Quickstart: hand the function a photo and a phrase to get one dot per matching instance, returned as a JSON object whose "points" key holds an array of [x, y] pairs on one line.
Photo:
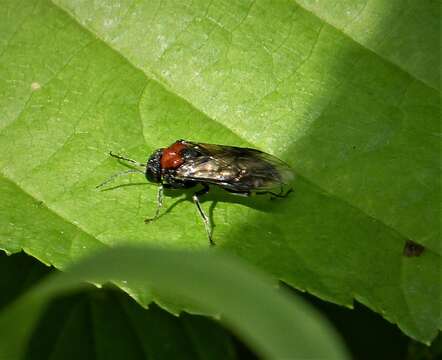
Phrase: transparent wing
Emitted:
{"points": [[233, 168]]}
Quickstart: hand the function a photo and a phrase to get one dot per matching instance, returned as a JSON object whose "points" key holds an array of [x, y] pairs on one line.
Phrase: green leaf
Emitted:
{"points": [[362, 134], [276, 325], [404, 35], [98, 322]]}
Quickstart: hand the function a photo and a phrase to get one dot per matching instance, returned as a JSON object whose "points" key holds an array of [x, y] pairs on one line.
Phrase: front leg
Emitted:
{"points": [[159, 205], [203, 215]]}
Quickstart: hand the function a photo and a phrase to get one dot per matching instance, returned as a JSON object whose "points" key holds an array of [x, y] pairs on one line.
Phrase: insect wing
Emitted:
{"points": [[235, 169]]}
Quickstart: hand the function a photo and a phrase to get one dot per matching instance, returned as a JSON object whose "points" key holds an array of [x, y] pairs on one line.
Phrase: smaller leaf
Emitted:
{"points": [[273, 323]]}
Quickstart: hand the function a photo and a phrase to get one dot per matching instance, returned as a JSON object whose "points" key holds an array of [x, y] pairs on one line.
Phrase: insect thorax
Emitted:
{"points": [[153, 168]]}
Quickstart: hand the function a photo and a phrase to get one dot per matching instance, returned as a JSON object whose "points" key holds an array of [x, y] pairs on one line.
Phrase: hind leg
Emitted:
{"points": [[204, 217], [279, 195]]}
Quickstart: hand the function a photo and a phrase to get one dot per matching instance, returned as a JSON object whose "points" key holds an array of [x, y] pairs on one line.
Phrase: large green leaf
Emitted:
{"points": [[362, 134]]}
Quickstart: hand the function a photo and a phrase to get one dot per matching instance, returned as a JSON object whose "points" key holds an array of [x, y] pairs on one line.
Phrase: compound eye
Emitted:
{"points": [[153, 168]]}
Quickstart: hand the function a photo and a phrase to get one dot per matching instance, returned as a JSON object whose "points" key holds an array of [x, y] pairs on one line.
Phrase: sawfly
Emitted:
{"points": [[186, 164]]}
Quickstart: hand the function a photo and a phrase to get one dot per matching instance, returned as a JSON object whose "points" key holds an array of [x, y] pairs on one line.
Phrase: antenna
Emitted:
{"points": [[126, 159], [122, 173]]}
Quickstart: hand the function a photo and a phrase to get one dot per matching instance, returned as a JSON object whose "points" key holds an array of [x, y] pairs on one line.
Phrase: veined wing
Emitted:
{"points": [[233, 168]]}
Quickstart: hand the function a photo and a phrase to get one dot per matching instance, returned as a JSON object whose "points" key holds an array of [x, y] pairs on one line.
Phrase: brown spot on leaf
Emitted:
{"points": [[412, 248]]}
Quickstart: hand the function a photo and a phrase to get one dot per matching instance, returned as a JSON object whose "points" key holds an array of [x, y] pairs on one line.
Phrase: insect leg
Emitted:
{"points": [[282, 194], [159, 205], [119, 157], [240, 193], [205, 218], [113, 177], [275, 195]]}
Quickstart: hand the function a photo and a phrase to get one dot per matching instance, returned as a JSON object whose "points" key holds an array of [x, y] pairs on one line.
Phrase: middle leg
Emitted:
{"points": [[159, 205], [203, 215]]}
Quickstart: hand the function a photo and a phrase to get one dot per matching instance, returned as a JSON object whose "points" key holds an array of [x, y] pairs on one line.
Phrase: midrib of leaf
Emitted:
{"points": [[366, 48], [154, 76]]}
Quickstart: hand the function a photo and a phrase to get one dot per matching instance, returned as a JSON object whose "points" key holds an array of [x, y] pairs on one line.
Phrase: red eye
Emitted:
{"points": [[172, 157]]}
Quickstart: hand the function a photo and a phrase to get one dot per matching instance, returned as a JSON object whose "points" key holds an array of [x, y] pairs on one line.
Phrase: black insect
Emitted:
{"points": [[185, 164]]}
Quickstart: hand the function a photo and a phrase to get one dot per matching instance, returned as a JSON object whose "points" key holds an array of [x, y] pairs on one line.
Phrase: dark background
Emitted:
{"points": [[366, 334]]}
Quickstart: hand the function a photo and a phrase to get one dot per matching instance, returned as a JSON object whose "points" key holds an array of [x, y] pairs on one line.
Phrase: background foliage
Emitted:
{"points": [[82, 325], [275, 324]]}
